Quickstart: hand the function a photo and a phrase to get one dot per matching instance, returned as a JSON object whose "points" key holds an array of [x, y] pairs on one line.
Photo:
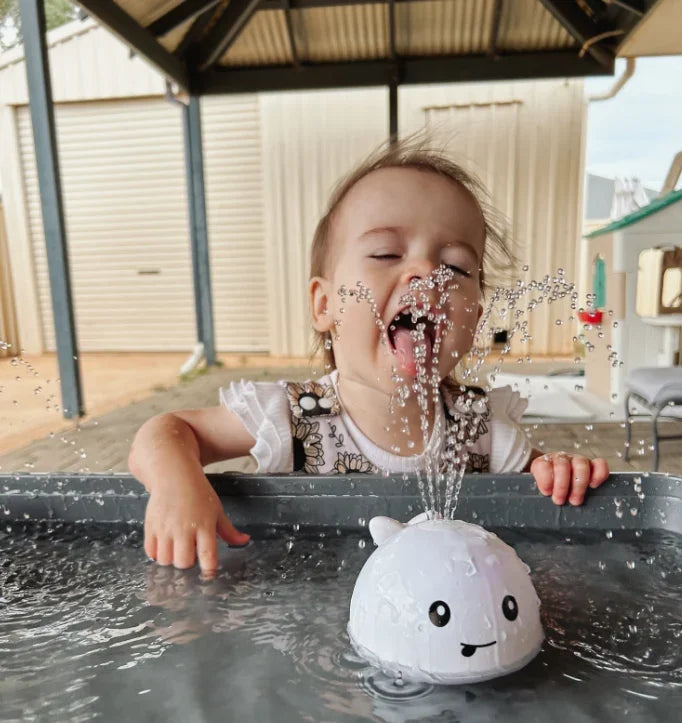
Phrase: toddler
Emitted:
{"points": [[406, 219]]}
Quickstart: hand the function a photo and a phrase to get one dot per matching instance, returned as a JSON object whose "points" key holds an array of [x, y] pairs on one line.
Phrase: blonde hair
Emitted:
{"points": [[410, 154]]}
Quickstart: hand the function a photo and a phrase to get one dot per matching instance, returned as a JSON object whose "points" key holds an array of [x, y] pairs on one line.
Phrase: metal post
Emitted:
{"points": [[201, 269], [44, 138], [395, 77], [393, 112]]}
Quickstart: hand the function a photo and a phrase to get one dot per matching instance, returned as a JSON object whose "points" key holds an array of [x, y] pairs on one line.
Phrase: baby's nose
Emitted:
{"points": [[418, 270]]}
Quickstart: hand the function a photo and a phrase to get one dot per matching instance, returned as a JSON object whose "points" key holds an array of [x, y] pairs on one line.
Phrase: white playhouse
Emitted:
{"points": [[635, 281]]}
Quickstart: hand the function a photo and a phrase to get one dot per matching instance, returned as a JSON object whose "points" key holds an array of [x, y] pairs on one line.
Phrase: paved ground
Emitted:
{"points": [[30, 393], [102, 444]]}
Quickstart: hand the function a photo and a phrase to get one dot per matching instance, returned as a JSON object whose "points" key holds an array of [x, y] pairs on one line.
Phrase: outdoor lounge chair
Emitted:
{"points": [[654, 388]]}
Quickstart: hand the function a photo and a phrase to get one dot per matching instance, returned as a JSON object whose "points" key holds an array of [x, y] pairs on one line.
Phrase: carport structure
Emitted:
{"points": [[234, 46]]}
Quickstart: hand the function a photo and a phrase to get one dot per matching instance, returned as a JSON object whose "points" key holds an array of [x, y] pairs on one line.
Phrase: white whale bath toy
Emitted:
{"points": [[444, 601]]}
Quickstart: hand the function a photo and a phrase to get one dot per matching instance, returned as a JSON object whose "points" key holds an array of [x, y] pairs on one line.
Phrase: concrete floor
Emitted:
{"points": [[100, 442]]}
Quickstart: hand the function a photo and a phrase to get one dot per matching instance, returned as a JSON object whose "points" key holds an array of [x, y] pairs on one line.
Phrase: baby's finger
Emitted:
{"points": [[184, 547], [207, 550], [600, 472], [164, 550], [150, 545], [562, 478], [542, 470], [229, 532], [581, 478]]}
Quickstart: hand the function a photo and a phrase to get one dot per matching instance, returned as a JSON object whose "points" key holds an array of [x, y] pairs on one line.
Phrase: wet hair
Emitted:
{"points": [[417, 154]]}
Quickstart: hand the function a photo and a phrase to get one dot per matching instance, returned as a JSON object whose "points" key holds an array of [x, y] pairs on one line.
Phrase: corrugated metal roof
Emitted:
{"points": [[147, 11], [423, 28], [439, 27], [344, 33], [263, 41], [527, 25], [290, 42]]}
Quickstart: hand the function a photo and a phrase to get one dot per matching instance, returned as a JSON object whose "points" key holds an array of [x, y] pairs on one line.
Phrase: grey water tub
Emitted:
{"points": [[89, 628]]}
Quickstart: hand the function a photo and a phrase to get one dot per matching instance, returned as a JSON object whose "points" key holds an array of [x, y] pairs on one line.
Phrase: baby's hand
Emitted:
{"points": [[567, 477], [181, 523]]}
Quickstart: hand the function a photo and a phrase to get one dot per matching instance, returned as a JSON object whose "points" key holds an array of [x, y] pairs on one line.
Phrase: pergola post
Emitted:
{"points": [[47, 162], [395, 78], [201, 269], [393, 112]]}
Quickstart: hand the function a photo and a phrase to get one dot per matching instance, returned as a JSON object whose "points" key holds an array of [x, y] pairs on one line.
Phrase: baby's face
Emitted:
{"points": [[396, 225]]}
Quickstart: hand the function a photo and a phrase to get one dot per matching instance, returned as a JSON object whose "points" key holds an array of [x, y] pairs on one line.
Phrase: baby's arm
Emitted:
{"points": [[565, 476], [184, 513]]}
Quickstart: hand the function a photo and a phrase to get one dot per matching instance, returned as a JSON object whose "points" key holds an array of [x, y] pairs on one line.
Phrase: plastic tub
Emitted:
{"points": [[89, 628]]}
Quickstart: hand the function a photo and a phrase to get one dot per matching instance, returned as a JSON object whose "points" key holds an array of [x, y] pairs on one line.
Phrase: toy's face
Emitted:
{"points": [[446, 601]]}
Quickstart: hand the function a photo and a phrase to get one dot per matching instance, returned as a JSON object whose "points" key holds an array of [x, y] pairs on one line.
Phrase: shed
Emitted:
{"points": [[236, 46], [270, 161]]}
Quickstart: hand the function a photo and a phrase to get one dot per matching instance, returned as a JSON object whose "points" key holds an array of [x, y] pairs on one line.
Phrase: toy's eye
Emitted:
{"points": [[510, 608], [439, 613]]}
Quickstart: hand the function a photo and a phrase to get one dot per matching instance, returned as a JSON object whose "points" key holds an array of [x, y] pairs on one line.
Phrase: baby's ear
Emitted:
{"points": [[319, 297]]}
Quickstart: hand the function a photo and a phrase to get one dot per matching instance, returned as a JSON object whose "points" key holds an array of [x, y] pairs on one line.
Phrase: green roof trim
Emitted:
{"points": [[656, 205]]}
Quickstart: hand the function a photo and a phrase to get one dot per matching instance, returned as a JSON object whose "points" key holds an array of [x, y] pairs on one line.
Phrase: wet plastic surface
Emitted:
{"points": [[128, 639], [279, 501]]}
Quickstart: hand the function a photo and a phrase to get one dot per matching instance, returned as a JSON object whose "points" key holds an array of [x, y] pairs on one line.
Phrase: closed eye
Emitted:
{"points": [[385, 256], [457, 269]]}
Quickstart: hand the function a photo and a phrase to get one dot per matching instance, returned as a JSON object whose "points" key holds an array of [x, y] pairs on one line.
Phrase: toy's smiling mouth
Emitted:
{"points": [[469, 650]]}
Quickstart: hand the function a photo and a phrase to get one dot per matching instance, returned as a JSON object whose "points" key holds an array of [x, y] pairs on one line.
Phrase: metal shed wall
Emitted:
{"points": [[546, 221], [271, 162], [124, 188], [311, 139], [87, 63], [123, 180]]}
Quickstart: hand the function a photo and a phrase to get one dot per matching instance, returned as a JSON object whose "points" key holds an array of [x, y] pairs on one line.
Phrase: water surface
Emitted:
{"points": [[90, 629]]}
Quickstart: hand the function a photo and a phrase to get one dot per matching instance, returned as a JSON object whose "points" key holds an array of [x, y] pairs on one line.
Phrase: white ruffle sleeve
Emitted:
{"points": [[510, 448], [263, 408]]}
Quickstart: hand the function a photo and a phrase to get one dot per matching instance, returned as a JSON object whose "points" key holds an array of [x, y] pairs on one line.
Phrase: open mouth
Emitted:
{"points": [[408, 346], [468, 650]]}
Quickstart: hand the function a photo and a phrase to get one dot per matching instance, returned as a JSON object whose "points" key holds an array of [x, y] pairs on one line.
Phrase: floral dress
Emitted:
{"points": [[301, 427]]}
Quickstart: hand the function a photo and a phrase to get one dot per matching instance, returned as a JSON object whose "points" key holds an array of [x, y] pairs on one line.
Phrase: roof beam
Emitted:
{"points": [[179, 15], [391, 30], [441, 69], [577, 24], [138, 38], [193, 35], [286, 6], [637, 8], [495, 28], [237, 14], [306, 4]]}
